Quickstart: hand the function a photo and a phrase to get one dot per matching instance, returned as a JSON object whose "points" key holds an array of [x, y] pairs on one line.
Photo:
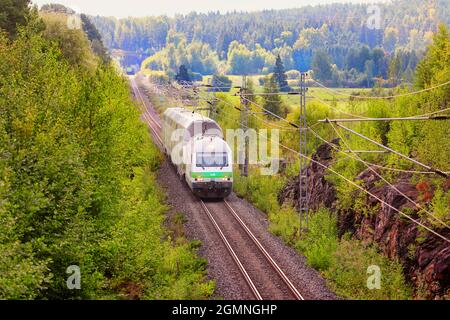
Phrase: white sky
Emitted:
{"points": [[139, 8]]}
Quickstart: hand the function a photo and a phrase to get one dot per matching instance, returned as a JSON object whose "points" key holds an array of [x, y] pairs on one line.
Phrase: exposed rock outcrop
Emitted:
{"points": [[425, 257], [322, 192]]}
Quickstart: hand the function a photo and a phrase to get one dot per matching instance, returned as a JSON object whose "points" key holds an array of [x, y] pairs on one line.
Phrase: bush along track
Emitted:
{"points": [[77, 179]]}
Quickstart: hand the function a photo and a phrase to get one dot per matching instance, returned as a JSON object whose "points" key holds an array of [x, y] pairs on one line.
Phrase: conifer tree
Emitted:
{"points": [[280, 75], [273, 102], [183, 75]]}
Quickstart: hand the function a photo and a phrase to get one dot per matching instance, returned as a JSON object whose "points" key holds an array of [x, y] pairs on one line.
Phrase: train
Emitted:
{"points": [[195, 145]]}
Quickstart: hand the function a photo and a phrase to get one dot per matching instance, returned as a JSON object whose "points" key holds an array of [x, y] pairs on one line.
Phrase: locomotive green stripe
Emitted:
{"points": [[211, 175]]}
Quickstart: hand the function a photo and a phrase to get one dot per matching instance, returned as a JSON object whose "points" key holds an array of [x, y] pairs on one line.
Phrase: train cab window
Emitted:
{"points": [[212, 160]]}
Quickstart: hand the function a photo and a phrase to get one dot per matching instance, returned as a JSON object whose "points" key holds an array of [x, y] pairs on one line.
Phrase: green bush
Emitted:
{"points": [[285, 224], [262, 191], [77, 183], [348, 274], [159, 77], [320, 241]]}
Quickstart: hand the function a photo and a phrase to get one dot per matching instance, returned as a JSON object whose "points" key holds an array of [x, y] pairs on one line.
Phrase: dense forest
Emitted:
{"points": [[77, 173], [335, 37]]}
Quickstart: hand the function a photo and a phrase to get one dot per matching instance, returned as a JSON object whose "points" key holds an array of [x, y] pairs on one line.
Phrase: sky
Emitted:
{"points": [[139, 8]]}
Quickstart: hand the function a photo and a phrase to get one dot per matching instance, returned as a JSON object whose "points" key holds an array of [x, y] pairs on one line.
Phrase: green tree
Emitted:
{"points": [[436, 62], [272, 102], [183, 75], [77, 182], [395, 69], [74, 44], [221, 83], [95, 38], [321, 65], [12, 14], [280, 75]]}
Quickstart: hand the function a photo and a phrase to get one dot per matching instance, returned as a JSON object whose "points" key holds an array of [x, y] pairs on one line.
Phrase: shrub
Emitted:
{"points": [[320, 241], [159, 77], [285, 224], [348, 274], [262, 191]]}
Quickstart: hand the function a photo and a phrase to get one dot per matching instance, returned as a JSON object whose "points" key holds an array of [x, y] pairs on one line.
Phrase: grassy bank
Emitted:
{"points": [[343, 262]]}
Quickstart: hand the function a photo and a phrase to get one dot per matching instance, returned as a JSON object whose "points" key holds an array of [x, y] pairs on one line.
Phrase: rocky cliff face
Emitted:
{"points": [[425, 257], [322, 193]]}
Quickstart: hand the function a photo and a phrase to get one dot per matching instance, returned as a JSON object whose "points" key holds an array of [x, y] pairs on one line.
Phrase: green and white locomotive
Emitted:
{"points": [[195, 144]]}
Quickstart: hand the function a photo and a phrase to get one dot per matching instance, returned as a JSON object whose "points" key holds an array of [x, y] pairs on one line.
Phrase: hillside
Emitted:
{"points": [[81, 214]]}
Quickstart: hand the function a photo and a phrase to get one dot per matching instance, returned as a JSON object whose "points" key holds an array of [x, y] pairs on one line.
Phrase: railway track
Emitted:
{"points": [[153, 124], [262, 274]]}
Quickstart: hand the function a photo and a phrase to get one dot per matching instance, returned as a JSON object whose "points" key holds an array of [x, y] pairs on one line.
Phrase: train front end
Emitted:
{"points": [[212, 168]]}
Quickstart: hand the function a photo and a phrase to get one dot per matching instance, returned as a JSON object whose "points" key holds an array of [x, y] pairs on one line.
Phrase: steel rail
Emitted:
{"points": [[269, 258], [147, 115], [232, 253]]}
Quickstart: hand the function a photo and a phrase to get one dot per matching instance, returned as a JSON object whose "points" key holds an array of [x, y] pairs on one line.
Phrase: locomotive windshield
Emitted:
{"points": [[212, 160]]}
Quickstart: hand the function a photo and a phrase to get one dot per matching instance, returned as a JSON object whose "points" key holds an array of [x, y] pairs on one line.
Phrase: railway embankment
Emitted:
{"points": [[425, 257]]}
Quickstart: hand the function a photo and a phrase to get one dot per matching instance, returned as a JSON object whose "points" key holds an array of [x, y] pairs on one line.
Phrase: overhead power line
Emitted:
{"points": [[372, 164], [387, 119], [387, 182], [339, 111], [440, 172], [382, 97], [362, 189]]}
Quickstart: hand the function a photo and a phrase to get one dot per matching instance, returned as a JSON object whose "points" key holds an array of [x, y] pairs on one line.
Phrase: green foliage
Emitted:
{"points": [[221, 83], [242, 60], [436, 63], [183, 75], [280, 75], [13, 13], [440, 205], [95, 38], [320, 241], [248, 43], [261, 190], [321, 66], [348, 273], [73, 43], [273, 102], [23, 275], [318, 244], [77, 182], [343, 262], [196, 56], [285, 223]]}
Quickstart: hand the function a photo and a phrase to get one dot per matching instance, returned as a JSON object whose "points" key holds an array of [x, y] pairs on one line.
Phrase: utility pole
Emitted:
{"points": [[213, 104], [244, 125], [195, 97], [303, 194]]}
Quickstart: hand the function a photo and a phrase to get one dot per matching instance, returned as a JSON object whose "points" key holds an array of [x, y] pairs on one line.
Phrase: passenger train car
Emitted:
{"points": [[195, 145]]}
